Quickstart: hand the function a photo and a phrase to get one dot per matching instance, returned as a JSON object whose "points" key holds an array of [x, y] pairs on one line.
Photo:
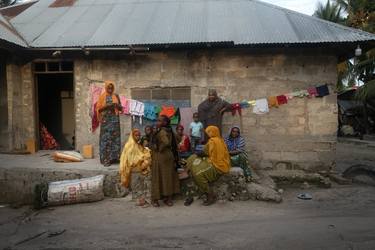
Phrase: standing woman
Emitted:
{"points": [[165, 182], [108, 108]]}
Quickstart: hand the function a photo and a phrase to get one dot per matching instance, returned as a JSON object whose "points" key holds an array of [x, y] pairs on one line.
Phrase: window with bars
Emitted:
{"points": [[51, 67], [178, 97]]}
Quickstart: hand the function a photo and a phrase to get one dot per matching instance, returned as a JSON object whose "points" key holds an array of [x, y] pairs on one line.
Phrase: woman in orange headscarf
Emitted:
{"points": [[108, 108], [207, 166], [135, 164]]}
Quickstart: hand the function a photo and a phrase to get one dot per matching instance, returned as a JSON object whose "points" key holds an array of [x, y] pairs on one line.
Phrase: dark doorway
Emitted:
{"points": [[56, 107]]}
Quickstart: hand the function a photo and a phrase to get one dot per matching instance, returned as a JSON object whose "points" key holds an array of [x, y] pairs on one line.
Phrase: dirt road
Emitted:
{"points": [[339, 218], [342, 217]]}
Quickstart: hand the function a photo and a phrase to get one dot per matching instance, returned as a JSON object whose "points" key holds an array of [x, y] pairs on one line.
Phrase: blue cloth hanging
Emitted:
{"points": [[150, 112]]}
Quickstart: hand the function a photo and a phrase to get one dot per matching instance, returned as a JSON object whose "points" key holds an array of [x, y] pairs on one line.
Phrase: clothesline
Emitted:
{"points": [[150, 111]]}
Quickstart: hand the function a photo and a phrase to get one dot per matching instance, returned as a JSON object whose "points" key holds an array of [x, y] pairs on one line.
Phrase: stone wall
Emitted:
{"points": [[21, 110], [3, 105], [299, 135]]}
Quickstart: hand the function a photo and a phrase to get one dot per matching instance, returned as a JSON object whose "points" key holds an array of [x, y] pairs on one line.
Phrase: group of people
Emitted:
{"points": [[149, 164]]}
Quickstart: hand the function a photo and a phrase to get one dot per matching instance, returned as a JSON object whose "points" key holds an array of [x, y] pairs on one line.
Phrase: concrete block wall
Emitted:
{"points": [[299, 135]]}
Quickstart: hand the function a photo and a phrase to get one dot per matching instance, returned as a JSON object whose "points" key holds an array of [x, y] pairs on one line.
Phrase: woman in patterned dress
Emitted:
{"points": [[108, 108]]}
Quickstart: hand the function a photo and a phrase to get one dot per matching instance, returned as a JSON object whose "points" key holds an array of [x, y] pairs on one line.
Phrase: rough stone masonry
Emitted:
{"points": [[299, 135]]}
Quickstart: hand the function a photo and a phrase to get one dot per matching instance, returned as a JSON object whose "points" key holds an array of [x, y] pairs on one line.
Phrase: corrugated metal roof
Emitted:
{"points": [[9, 34], [147, 22]]}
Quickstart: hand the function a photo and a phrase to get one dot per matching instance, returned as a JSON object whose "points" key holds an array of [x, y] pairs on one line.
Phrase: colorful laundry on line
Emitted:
{"points": [[136, 108], [95, 92], [125, 103], [150, 111], [261, 106], [281, 99], [300, 93], [168, 111], [312, 91], [184, 115], [176, 117], [322, 90], [236, 107], [245, 104], [272, 102]]}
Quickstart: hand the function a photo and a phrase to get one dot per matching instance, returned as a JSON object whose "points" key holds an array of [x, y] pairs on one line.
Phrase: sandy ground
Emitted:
{"points": [[342, 217]]}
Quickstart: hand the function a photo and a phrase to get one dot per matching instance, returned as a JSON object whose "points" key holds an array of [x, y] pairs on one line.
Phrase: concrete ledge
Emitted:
{"points": [[17, 185], [20, 174]]}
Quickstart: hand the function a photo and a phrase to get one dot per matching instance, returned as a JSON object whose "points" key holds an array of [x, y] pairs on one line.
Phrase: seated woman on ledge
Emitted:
{"points": [[135, 163], [238, 156], [206, 170]]}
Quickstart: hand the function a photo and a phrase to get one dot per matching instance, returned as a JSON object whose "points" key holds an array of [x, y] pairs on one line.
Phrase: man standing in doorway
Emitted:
{"points": [[212, 109]]}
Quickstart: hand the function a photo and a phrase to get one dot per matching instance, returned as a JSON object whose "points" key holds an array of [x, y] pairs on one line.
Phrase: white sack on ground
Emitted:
{"points": [[76, 191]]}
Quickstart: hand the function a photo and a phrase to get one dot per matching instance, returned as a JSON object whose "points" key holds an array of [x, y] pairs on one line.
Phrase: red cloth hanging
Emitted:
{"points": [[282, 99], [168, 111], [94, 120], [236, 107], [312, 91]]}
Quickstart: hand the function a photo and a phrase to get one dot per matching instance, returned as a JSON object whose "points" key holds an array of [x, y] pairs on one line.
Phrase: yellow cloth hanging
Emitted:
{"points": [[134, 158], [272, 102], [217, 150], [252, 102]]}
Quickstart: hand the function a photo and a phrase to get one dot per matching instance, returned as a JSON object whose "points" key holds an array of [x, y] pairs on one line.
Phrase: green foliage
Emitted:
{"points": [[330, 12], [4, 3], [358, 14]]}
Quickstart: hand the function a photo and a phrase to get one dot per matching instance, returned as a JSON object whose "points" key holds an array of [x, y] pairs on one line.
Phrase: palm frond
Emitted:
{"points": [[366, 92]]}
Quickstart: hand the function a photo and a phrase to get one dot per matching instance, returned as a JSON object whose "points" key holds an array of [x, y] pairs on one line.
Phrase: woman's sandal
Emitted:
{"points": [[141, 202], [209, 201], [155, 204], [168, 202], [188, 201]]}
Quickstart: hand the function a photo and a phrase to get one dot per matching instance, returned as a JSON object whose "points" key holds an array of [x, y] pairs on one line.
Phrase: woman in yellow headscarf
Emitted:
{"points": [[207, 166], [135, 163], [108, 108]]}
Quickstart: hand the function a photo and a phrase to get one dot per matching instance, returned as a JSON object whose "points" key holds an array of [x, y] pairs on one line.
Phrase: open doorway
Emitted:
{"points": [[55, 107]]}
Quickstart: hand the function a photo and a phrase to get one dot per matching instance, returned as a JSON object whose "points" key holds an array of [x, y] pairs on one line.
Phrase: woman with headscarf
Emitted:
{"points": [[237, 150], [211, 164], [183, 142], [165, 182], [135, 163], [108, 108]]}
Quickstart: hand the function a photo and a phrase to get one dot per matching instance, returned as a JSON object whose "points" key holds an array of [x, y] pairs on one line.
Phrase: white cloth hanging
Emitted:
{"points": [[137, 108], [261, 106]]}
